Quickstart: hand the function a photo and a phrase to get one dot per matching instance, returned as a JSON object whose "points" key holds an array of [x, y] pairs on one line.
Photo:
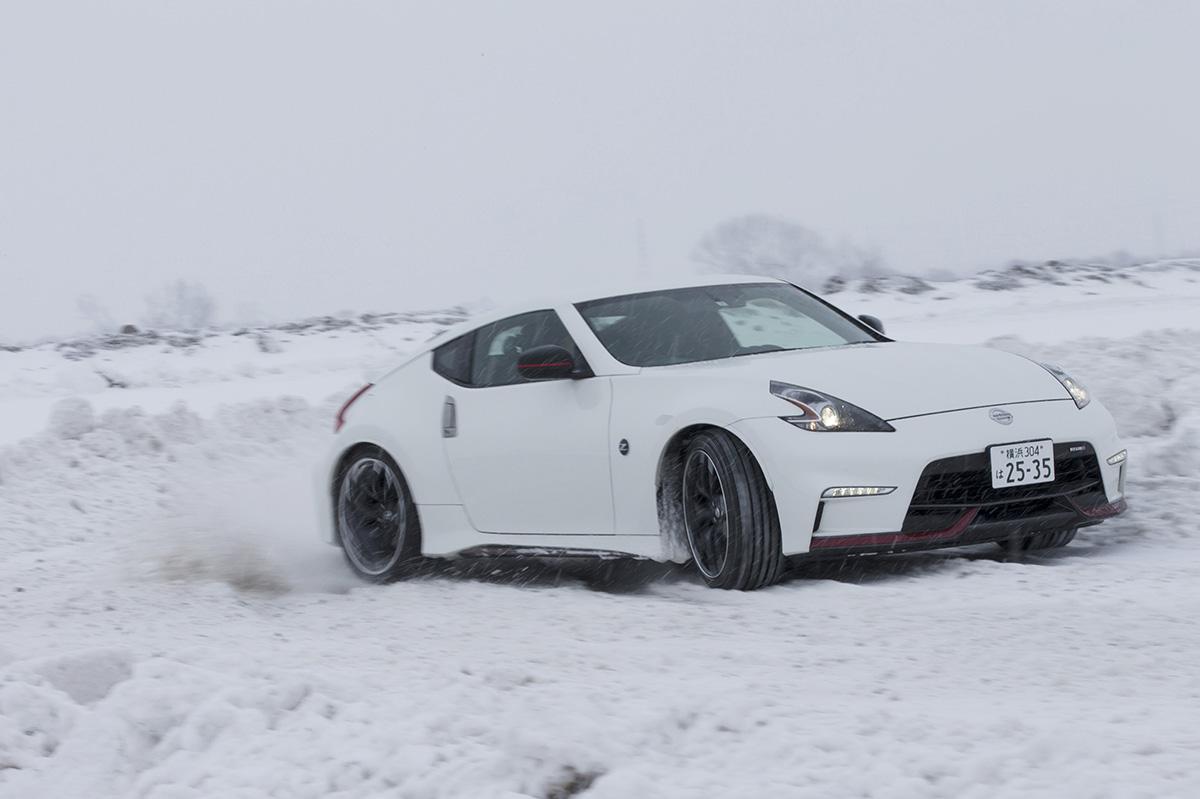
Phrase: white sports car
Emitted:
{"points": [[732, 422]]}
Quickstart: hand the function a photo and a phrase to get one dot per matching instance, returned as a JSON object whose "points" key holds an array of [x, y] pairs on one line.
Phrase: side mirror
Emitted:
{"points": [[872, 322], [548, 362]]}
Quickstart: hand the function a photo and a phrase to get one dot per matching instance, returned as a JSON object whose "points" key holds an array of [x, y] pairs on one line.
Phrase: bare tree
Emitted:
{"points": [[761, 244], [180, 306], [95, 313]]}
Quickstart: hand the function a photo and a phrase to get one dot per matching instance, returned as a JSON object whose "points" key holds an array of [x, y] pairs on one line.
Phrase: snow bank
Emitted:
{"points": [[1037, 308], [311, 359], [183, 496]]}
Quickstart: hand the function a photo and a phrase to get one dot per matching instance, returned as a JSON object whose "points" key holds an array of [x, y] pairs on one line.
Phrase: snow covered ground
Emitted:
{"points": [[170, 627]]}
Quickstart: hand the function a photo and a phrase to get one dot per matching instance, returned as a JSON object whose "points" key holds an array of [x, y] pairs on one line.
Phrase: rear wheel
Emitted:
{"points": [[1051, 539], [376, 519], [729, 514]]}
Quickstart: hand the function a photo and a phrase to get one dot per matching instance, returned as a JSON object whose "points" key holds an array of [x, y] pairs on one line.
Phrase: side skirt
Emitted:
{"points": [[514, 551]]}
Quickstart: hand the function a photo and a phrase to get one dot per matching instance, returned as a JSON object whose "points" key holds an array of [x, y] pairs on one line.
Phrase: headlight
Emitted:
{"points": [[1077, 390], [824, 413]]}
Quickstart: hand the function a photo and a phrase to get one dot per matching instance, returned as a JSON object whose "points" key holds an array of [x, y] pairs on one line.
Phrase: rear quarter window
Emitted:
{"points": [[452, 360]]}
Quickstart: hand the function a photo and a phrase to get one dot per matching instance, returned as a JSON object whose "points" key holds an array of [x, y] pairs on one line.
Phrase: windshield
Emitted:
{"points": [[711, 322]]}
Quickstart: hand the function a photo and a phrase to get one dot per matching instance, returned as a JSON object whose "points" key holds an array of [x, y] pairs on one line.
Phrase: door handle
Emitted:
{"points": [[449, 418]]}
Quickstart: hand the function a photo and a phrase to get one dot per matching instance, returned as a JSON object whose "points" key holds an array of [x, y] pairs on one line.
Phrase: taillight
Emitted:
{"points": [[341, 415]]}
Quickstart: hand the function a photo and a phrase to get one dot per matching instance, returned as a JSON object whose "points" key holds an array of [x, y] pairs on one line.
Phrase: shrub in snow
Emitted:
{"points": [[266, 343], [886, 284], [72, 418]]}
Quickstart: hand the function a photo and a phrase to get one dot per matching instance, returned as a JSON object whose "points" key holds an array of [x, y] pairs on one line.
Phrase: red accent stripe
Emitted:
{"points": [[542, 365], [891, 539], [340, 422], [1101, 511]]}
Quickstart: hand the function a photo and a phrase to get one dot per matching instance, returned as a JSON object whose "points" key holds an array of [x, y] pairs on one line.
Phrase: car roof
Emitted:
{"points": [[592, 290], [614, 288]]}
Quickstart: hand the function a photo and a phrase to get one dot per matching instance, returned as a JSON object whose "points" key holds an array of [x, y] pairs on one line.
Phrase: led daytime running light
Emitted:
{"points": [[856, 491]]}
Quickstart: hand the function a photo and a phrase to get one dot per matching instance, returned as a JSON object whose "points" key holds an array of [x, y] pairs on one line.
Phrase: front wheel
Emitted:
{"points": [[729, 514], [376, 518]]}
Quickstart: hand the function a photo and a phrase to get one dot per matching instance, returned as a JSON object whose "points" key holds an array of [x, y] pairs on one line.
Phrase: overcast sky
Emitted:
{"points": [[304, 157]]}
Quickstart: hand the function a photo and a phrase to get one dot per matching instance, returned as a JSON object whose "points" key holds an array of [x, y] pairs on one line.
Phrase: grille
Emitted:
{"points": [[950, 485]]}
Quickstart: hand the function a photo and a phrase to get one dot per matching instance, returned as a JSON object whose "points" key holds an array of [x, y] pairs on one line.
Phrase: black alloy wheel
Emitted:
{"points": [[376, 519], [729, 514]]}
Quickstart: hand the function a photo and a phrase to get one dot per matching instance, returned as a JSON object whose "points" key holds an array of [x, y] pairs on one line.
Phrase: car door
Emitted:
{"points": [[527, 456]]}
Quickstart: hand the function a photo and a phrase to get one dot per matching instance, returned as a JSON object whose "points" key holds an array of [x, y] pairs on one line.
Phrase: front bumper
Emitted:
{"points": [[967, 528], [800, 465]]}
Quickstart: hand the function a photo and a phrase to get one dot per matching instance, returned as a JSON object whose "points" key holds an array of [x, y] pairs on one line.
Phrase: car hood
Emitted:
{"points": [[892, 379]]}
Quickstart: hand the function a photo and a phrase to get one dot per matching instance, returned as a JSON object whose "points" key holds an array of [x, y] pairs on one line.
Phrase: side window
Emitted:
{"points": [[452, 360], [498, 345]]}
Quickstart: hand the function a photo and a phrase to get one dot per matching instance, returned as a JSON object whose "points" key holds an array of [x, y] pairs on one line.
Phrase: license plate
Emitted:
{"points": [[1021, 464]]}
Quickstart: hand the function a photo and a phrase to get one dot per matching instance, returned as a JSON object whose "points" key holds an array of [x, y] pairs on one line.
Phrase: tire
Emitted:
{"points": [[1052, 539], [729, 514], [375, 517]]}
